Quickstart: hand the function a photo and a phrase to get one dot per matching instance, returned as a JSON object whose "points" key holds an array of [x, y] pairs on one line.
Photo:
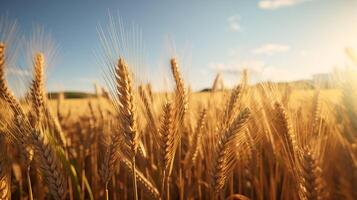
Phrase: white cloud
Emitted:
{"points": [[276, 4], [271, 49], [234, 23]]}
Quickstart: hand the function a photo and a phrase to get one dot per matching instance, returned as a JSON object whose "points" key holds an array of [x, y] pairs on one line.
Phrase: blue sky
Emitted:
{"points": [[274, 39]]}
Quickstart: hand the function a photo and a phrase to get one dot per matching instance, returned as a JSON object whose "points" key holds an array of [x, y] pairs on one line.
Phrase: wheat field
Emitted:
{"points": [[253, 141]]}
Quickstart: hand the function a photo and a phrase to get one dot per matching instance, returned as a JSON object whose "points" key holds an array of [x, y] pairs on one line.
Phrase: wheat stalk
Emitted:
{"points": [[143, 182], [5, 189], [127, 111], [45, 151], [180, 110]]}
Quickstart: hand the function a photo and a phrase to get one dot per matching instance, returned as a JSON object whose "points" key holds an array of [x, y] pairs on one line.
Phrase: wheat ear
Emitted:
{"points": [[37, 89], [111, 157], [126, 105], [225, 153], [49, 162], [196, 143], [286, 133], [5, 92], [145, 97], [231, 106], [316, 112], [181, 100], [312, 184], [168, 139]]}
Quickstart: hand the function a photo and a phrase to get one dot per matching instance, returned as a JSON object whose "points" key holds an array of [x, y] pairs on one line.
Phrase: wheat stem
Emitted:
{"points": [[29, 185]]}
